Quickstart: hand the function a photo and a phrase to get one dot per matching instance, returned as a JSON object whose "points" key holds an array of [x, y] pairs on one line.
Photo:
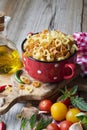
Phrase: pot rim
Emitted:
{"points": [[45, 61]]}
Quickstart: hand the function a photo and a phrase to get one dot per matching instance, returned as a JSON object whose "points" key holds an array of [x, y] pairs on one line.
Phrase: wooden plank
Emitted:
{"points": [[68, 16], [84, 18], [35, 15], [2, 4], [29, 93]]}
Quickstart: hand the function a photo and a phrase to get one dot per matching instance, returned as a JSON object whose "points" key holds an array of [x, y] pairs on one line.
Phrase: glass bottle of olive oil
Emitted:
{"points": [[9, 55]]}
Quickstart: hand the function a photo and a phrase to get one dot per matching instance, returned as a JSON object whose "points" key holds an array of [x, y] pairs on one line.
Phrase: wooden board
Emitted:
{"points": [[15, 94]]}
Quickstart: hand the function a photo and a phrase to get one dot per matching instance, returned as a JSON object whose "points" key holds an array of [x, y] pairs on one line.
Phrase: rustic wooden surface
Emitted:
{"points": [[29, 93], [68, 16]]}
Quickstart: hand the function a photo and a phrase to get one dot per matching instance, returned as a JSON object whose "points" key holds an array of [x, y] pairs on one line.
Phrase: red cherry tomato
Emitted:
{"points": [[66, 101], [52, 126], [2, 125], [64, 125], [45, 105]]}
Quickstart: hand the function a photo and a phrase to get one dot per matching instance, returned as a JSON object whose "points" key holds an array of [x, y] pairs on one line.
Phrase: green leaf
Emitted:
{"points": [[83, 118], [85, 127], [34, 123], [67, 93], [33, 120], [42, 124], [24, 122], [62, 91], [79, 103], [62, 97], [74, 90], [66, 90]]}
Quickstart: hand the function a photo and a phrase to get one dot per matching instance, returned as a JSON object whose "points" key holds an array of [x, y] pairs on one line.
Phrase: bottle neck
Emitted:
{"points": [[3, 32], [2, 20], [2, 25]]}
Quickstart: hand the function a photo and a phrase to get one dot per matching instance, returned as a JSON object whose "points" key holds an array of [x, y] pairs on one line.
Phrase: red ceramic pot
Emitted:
{"points": [[50, 71]]}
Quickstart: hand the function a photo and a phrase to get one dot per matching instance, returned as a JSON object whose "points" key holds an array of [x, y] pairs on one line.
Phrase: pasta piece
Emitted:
{"points": [[50, 46], [36, 84], [25, 79], [21, 86], [29, 89]]}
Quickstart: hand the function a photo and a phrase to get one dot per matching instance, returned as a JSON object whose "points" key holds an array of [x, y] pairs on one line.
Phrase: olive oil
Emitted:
{"points": [[9, 56], [9, 60]]}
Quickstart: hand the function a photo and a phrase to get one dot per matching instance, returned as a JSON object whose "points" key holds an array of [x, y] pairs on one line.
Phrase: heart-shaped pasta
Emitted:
{"points": [[50, 46]]}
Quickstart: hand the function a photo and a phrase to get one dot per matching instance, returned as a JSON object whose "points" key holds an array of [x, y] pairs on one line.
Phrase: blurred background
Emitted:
{"points": [[68, 16]]}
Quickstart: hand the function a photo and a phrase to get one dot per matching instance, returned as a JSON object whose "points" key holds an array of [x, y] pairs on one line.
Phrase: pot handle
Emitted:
{"points": [[72, 67]]}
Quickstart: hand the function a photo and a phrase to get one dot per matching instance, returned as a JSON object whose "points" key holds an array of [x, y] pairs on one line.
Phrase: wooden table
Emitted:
{"points": [[68, 16]]}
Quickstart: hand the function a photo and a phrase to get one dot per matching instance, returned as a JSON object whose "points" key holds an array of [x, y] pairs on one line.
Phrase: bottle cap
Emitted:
{"points": [[2, 14]]}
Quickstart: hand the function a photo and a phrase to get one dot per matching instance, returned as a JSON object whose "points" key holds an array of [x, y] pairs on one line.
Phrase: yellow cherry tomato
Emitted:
{"points": [[71, 115], [58, 111]]}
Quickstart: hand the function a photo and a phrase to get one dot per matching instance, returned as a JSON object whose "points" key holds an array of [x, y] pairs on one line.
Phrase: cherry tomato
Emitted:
{"points": [[71, 115], [64, 125], [52, 126], [59, 111], [45, 105], [2, 125], [66, 101]]}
